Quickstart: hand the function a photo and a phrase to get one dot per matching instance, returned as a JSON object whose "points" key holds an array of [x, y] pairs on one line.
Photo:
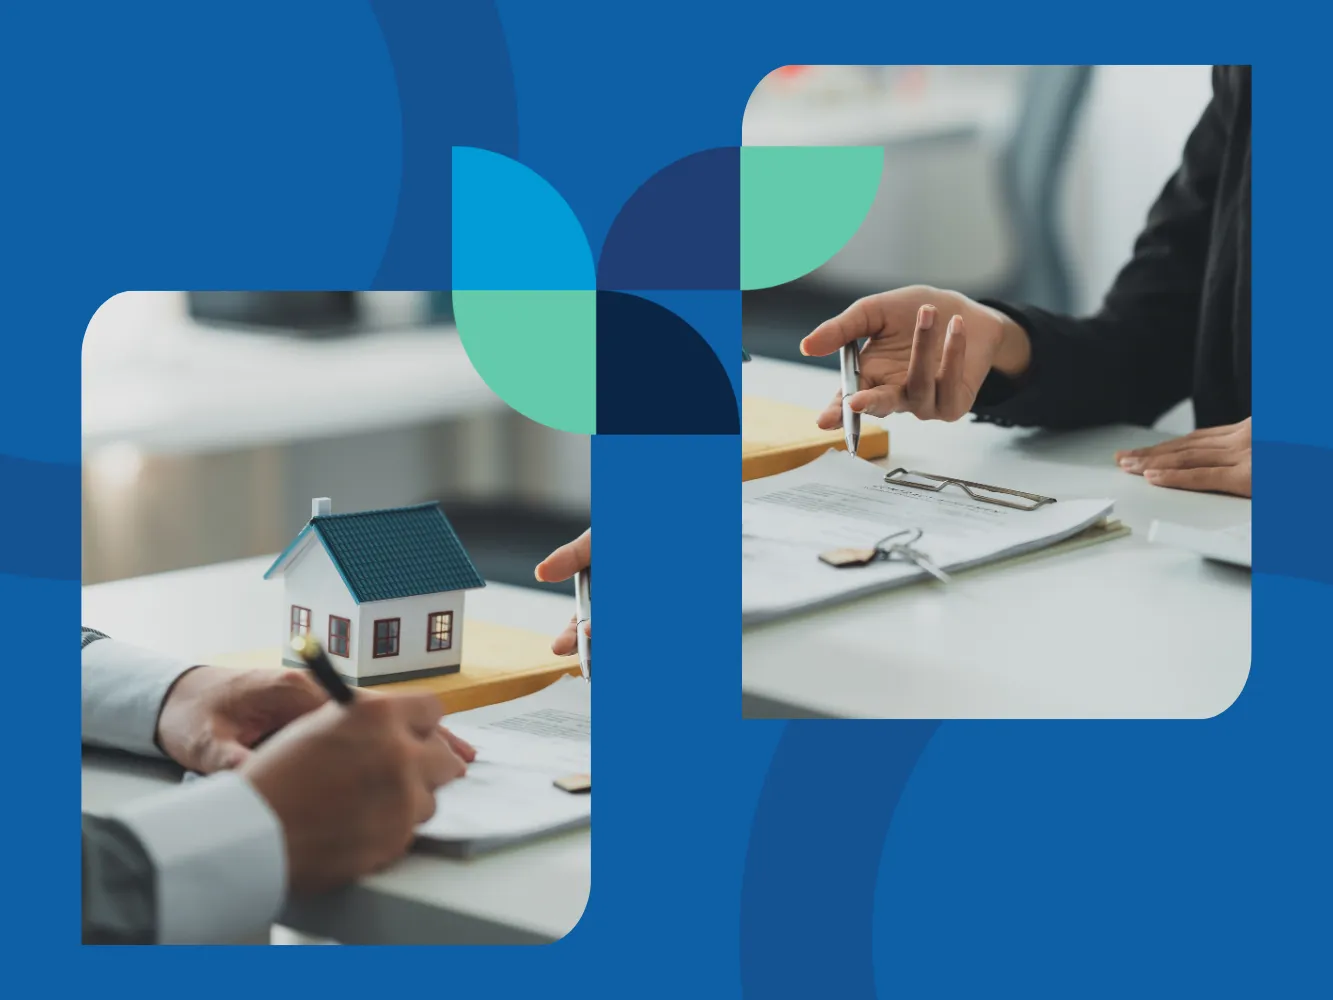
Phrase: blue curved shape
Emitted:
{"points": [[512, 231], [39, 510], [680, 229], [455, 88], [656, 375], [1289, 547], [808, 895], [715, 315], [281, 167]]}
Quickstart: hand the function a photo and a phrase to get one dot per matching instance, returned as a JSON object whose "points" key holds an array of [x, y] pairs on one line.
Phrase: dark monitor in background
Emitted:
{"points": [[317, 314], [300, 312]]}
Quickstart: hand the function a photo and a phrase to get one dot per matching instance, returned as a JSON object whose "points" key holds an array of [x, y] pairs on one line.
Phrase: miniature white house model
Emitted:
{"points": [[382, 591]]}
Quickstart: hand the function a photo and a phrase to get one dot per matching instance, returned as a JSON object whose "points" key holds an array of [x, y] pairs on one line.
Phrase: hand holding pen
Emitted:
{"points": [[849, 362], [927, 352], [350, 781], [573, 559], [583, 619], [314, 657]]}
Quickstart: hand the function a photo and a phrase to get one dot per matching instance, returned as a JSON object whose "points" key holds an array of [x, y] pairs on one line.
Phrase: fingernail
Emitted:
{"points": [[955, 322], [925, 317], [803, 350], [1152, 475], [1130, 463]]}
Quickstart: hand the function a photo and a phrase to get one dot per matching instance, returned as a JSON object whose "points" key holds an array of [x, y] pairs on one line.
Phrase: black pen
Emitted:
{"points": [[310, 651]]}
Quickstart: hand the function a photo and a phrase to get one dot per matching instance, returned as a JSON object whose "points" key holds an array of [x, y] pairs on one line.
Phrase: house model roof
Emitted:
{"points": [[387, 554]]}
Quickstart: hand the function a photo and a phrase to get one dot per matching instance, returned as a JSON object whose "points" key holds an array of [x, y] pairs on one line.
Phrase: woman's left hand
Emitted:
{"points": [[1215, 459]]}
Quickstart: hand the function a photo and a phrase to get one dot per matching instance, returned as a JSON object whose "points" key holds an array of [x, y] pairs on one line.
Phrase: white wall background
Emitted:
{"points": [[937, 217], [1128, 143]]}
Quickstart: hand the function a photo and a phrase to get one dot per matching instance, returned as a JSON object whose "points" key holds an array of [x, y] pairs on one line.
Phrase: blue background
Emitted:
{"points": [[271, 145]]}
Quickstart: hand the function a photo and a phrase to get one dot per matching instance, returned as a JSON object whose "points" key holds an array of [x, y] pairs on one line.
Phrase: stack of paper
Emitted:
{"points": [[839, 501], [508, 794]]}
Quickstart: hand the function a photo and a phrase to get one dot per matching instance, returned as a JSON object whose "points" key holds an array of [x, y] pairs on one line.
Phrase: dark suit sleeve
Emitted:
{"points": [[1134, 359], [119, 885]]}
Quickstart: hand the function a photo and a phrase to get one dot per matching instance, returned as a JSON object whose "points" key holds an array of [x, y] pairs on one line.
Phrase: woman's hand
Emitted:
{"points": [[1215, 459], [560, 565], [929, 352]]}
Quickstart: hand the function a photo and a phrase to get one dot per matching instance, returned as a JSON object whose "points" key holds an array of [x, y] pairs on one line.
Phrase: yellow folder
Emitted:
{"points": [[778, 436]]}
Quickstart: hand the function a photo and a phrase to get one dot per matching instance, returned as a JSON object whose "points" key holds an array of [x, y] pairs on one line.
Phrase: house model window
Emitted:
{"points": [[440, 631], [340, 635], [386, 636], [379, 577]]}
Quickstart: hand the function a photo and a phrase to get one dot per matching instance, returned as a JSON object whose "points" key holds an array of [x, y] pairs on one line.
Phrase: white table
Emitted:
{"points": [[528, 894], [1122, 629]]}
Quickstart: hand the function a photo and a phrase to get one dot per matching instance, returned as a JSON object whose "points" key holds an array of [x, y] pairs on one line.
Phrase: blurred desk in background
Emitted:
{"points": [[530, 894], [875, 118], [1124, 629], [203, 444], [196, 389]]}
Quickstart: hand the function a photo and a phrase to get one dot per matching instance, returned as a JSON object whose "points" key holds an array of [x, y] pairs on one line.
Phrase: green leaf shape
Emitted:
{"points": [[536, 350], [800, 205]]}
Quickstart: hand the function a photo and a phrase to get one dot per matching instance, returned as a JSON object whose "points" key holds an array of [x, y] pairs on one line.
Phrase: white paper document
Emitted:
{"points": [[1228, 545], [839, 501], [508, 795]]}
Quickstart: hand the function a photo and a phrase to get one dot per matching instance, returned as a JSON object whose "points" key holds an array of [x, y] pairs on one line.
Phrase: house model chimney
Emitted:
{"points": [[321, 507]]}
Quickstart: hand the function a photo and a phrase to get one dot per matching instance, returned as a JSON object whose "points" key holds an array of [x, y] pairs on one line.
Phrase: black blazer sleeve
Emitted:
{"points": [[119, 886], [1134, 359]]}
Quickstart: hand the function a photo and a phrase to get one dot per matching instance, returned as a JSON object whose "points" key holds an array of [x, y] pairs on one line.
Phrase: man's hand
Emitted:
{"points": [[929, 352], [1214, 459], [350, 784], [213, 716], [560, 565]]}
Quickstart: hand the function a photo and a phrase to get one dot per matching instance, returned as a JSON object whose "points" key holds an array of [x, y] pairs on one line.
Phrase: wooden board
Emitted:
{"points": [[777, 437], [499, 664]]}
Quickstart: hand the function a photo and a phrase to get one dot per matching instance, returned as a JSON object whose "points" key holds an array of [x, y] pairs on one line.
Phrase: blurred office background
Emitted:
{"points": [[210, 420], [1020, 182]]}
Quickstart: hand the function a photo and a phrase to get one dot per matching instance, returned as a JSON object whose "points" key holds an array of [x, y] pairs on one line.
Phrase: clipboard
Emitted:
{"points": [[1104, 530]]}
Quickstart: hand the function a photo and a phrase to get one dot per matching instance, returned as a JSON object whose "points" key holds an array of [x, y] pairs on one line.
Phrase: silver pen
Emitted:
{"points": [[583, 615], [850, 357]]}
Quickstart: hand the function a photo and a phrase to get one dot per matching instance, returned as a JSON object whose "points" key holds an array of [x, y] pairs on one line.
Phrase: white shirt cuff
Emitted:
{"points": [[220, 859], [123, 690]]}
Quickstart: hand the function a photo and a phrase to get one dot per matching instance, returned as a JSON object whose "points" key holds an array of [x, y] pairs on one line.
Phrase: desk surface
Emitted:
{"points": [[528, 894], [1124, 629]]}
